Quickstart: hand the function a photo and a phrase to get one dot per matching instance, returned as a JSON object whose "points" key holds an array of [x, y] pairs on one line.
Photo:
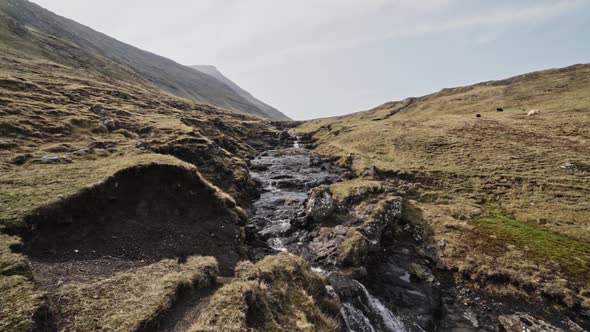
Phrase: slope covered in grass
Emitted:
{"points": [[31, 29], [463, 169]]}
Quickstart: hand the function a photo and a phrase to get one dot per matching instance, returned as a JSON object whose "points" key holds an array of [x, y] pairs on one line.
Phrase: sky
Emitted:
{"points": [[319, 58]]}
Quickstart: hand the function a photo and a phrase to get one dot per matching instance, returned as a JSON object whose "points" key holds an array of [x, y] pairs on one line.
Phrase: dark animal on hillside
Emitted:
{"points": [[499, 109]]}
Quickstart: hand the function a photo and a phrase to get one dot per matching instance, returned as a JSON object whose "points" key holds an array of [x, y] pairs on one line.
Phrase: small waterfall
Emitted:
{"points": [[356, 319], [296, 144]]}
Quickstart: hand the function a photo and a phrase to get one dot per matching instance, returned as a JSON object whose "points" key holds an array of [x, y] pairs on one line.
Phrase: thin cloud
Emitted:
{"points": [[511, 17]]}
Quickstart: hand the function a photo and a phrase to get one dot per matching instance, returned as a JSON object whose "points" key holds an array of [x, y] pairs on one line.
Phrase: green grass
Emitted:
{"points": [[354, 249], [541, 244]]}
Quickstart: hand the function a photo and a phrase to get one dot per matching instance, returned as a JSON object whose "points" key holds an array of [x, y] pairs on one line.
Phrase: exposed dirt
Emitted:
{"points": [[185, 311], [139, 216]]}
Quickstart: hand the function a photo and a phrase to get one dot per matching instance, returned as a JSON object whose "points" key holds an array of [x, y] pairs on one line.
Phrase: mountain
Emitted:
{"points": [[27, 26], [267, 109]]}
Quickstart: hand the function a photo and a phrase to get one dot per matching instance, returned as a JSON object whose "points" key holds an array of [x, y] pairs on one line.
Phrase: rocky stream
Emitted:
{"points": [[281, 221], [391, 284]]}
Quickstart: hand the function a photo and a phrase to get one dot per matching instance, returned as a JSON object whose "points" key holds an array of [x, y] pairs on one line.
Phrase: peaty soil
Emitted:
{"points": [[139, 216]]}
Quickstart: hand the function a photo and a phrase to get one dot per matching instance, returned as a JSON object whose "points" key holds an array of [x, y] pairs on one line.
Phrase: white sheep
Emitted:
{"points": [[533, 112]]}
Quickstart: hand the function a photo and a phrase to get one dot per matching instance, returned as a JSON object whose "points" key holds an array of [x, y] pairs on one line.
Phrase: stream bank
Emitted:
{"points": [[371, 249], [297, 214]]}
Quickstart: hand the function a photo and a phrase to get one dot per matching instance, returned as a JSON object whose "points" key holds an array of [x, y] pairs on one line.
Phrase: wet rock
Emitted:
{"points": [[362, 311], [386, 217], [369, 172], [284, 138], [345, 287], [320, 205], [520, 322], [421, 272], [275, 230]]}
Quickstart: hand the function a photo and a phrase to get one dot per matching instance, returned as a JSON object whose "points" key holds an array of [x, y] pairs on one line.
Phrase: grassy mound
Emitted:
{"points": [[130, 300], [25, 189], [279, 293]]}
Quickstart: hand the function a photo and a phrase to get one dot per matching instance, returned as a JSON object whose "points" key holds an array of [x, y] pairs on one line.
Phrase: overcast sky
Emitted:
{"points": [[317, 58]]}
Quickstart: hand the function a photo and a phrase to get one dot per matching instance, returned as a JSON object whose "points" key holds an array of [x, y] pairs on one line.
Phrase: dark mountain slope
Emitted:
{"points": [[267, 109], [168, 75]]}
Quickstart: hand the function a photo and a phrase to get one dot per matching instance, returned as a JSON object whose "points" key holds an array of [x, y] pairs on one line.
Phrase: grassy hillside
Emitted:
{"points": [[26, 26], [124, 174], [506, 195]]}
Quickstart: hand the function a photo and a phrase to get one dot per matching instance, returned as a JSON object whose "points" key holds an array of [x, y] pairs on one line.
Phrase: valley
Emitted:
{"points": [[139, 194]]}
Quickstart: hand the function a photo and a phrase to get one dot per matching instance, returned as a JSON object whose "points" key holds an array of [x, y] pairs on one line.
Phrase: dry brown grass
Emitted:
{"points": [[279, 293], [48, 108], [51, 109], [21, 302], [132, 299], [466, 168]]}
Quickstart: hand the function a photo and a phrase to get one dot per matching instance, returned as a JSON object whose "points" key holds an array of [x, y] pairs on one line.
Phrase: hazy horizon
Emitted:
{"points": [[313, 59]]}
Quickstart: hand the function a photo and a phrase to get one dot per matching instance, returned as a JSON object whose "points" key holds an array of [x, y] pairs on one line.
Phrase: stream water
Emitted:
{"points": [[286, 174]]}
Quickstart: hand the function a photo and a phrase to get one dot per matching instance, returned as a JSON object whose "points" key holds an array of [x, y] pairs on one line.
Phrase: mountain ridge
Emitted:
{"points": [[215, 73], [166, 74]]}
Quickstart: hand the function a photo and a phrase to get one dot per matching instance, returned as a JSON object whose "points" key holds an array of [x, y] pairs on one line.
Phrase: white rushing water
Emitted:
{"points": [[356, 320]]}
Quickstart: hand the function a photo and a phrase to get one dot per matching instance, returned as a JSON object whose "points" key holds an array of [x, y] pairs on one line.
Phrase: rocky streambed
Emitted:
{"points": [[297, 214], [376, 261]]}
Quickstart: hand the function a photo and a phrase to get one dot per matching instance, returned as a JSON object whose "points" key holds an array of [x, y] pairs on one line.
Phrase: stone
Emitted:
{"points": [[54, 159], [369, 172], [521, 321], [99, 109], [421, 272], [568, 166], [110, 124], [320, 205]]}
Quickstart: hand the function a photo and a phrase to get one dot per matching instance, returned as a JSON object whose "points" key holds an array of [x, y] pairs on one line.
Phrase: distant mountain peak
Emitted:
{"points": [[270, 111], [35, 29]]}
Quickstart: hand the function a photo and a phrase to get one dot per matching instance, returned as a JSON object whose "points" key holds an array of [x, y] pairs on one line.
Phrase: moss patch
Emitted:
{"points": [[132, 299], [354, 250], [541, 244]]}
